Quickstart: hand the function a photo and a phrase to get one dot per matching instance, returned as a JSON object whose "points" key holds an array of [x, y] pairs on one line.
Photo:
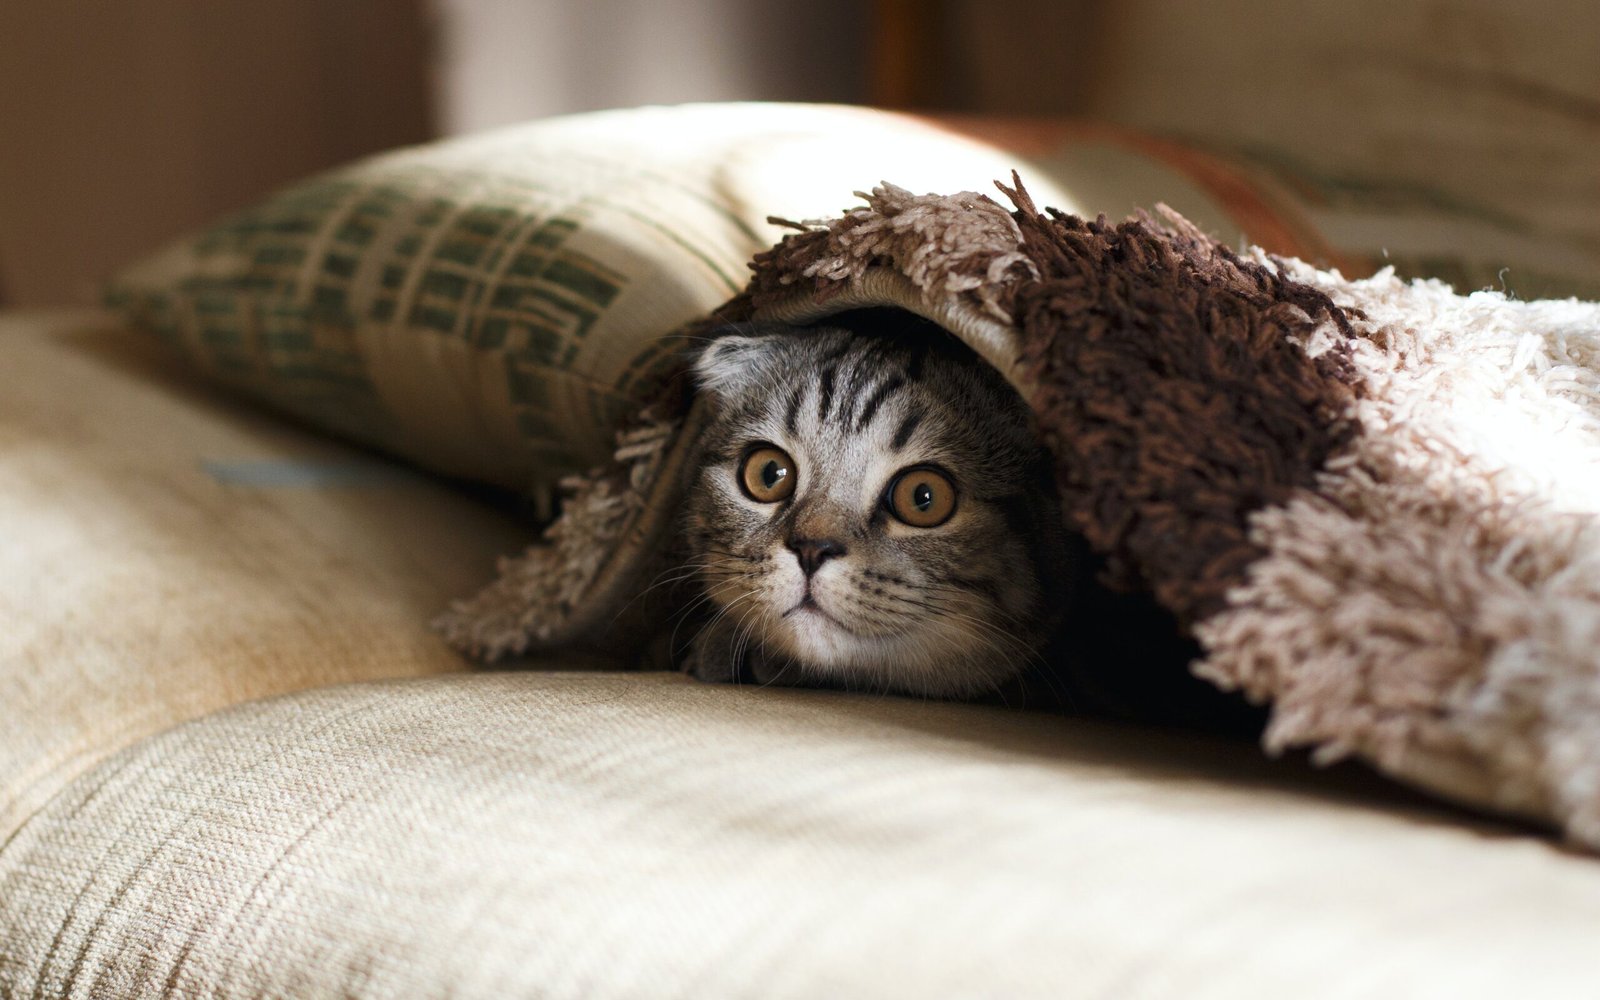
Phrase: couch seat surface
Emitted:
{"points": [[592, 835], [166, 550]]}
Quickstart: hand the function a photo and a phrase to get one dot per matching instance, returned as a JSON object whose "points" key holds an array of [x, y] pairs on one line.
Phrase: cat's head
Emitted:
{"points": [[876, 510]]}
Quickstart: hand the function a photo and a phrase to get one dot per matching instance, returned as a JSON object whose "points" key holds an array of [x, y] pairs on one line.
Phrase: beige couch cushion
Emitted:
{"points": [[572, 835], [169, 553], [165, 551]]}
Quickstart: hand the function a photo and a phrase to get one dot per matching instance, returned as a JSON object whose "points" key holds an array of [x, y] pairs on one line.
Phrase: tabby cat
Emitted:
{"points": [[873, 512]]}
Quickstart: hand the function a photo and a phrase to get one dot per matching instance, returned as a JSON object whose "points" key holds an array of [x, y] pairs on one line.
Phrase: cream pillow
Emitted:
{"points": [[493, 306]]}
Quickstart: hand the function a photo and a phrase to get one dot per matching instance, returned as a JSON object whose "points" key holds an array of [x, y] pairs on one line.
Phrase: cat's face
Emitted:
{"points": [[873, 512]]}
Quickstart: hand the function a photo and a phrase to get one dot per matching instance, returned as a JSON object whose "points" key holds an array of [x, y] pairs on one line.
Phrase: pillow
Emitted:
{"points": [[491, 307]]}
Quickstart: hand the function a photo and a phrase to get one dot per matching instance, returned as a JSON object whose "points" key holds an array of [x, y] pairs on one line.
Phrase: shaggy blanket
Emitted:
{"points": [[1376, 505]]}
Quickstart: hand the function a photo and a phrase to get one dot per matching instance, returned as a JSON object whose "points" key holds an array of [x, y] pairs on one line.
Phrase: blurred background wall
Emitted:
{"points": [[502, 61], [1477, 119], [123, 124]]}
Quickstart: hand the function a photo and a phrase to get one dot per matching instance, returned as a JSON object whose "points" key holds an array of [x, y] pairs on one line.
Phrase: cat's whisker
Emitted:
{"points": [[1006, 647], [728, 608], [1004, 643], [700, 599], [741, 556], [678, 575], [683, 616], [741, 637]]}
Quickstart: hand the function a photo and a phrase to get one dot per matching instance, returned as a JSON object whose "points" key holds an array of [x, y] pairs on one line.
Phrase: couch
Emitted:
{"points": [[235, 762]]}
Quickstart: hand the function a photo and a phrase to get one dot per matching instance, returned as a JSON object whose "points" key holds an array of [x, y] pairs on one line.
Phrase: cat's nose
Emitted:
{"points": [[813, 553]]}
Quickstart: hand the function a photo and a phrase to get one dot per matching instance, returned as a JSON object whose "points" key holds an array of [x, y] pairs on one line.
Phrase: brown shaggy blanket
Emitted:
{"points": [[1374, 505]]}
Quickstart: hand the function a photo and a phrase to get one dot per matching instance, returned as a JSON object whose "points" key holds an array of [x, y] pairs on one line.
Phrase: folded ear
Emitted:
{"points": [[731, 363]]}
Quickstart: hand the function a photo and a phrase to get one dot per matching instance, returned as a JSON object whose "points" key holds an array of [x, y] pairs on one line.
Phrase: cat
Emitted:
{"points": [[873, 512]]}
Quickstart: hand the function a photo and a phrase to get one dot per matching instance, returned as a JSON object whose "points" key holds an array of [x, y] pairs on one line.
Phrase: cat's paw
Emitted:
{"points": [[710, 658], [764, 671], [713, 659], [709, 668]]}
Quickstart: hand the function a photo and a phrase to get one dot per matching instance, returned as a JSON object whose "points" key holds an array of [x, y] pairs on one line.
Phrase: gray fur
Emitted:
{"points": [[954, 610]]}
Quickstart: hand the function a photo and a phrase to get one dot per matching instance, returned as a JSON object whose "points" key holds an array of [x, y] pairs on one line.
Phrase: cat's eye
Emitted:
{"points": [[922, 498], [767, 474]]}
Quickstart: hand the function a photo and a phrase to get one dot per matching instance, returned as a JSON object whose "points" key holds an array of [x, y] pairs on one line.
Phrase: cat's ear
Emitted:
{"points": [[731, 363]]}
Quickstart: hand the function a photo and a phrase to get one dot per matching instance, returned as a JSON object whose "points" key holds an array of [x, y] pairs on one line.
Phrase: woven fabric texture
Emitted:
{"points": [[165, 552], [582, 835]]}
